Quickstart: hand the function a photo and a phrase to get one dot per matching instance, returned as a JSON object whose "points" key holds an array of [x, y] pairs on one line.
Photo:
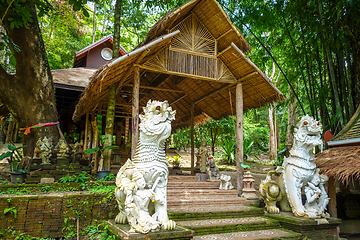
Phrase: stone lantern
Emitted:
{"points": [[249, 191]]}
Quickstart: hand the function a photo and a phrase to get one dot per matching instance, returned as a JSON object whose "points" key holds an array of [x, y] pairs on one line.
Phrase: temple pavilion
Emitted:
{"points": [[193, 57]]}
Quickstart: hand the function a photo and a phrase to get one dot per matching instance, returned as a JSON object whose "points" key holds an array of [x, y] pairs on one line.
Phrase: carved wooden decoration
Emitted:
{"points": [[192, 53]]}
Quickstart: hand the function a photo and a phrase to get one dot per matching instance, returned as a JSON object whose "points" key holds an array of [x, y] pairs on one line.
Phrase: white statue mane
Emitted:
{"points": [[298, 173], [141, 182]]}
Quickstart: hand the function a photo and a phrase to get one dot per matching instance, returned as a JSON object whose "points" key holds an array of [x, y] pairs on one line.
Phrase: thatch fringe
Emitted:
{"points": [[342, 163]]}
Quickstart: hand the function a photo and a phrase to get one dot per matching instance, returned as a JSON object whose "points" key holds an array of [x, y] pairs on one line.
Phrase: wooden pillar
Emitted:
{"points": [[86, 131], [192, 138], [239, 138], [332, 195], [135, 112]]}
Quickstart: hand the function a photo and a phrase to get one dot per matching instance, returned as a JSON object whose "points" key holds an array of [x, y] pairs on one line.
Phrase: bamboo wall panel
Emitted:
{"points": [[174, 61], [194, 37]]}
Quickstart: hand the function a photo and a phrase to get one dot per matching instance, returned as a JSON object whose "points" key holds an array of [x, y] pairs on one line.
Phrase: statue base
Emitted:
{"points": [[322, 228], [122, 232]]}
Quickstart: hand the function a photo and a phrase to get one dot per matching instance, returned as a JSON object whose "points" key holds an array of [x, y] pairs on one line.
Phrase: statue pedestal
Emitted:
{"points": [[122, 232], [322, 228]]}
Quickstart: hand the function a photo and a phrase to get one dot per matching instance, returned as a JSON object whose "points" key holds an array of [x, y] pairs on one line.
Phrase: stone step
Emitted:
{"points": [[212, 212], [251, 235], [186, 202], [182, 178], [193, 185], [226, 225], [200, 193]]}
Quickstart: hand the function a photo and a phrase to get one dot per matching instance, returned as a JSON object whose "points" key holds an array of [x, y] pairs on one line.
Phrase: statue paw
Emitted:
{"points": [[168, 225], [121, 218], [273, 209]]}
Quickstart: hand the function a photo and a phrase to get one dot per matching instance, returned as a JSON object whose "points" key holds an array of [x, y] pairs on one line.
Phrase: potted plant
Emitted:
{"points": [[101, 172], [17, 174]]}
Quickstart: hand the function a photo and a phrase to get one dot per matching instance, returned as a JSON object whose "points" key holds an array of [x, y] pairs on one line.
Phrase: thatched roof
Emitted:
{"points": [[211, 14], [72, 77], [342, 159], [162, 75], [342, 163], [350, 131]]}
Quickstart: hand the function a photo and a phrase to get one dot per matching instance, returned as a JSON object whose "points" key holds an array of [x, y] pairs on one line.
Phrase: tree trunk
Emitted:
{"points": [[29, 94], [109, 131], [94, 24], [117, 25], [292, 120], [95, 143], [272, 140]]}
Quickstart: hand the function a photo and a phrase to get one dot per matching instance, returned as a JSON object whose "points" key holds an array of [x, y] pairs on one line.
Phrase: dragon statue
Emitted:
{"points": [[298, 173], [142, 182]]}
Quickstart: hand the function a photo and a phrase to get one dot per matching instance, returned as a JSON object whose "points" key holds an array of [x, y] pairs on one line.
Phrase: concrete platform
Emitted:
{"points": [[311, 228], [121, 231]]}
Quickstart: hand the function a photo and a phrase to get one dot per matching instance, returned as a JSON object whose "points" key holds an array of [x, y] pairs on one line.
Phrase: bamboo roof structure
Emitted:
{"points": [[342, 159], [194, 54]]}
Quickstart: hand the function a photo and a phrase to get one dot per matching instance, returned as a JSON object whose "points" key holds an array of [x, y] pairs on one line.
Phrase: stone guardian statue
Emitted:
{"points": [[149, 164], [298, 173]]}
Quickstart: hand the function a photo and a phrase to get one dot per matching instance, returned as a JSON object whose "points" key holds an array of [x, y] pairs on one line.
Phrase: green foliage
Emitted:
{"points": [[11, 210], [228, 150], [175, 161], [99, 231], [13, 156], [75, 178]]}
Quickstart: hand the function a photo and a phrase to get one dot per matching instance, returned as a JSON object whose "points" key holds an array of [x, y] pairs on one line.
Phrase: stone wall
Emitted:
{"points": [[53, 215]]}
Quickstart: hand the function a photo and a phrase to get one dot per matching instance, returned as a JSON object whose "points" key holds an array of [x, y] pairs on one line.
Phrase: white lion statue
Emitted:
{"points": [[141, 182], [298, 173]]}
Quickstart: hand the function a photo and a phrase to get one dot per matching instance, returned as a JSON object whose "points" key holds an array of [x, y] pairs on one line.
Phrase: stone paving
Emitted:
{"points": [[263, 234], [223, 221]]}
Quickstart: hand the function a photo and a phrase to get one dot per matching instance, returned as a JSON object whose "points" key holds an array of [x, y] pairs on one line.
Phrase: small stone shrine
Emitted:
{"points": [[45, 147], [76, 152], [212, 171], [225, 183], [64, 151], [249, 191]]}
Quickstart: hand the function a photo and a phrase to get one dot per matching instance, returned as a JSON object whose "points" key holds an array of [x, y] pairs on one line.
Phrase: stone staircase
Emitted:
{"points": [[218, 214]]}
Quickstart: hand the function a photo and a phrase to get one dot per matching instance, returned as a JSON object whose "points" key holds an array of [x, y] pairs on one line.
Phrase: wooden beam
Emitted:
{"points": [[86, 131], [239, 138], [180, 98], [192, 139], [224, 34], [135, 112], [223, 51], [185, 75], [244, 78], [156, 88], [213, 93]]}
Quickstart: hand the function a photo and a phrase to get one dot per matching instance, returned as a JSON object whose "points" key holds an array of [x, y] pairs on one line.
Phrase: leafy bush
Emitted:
{"points": [[75, 178], [228, 150]]}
